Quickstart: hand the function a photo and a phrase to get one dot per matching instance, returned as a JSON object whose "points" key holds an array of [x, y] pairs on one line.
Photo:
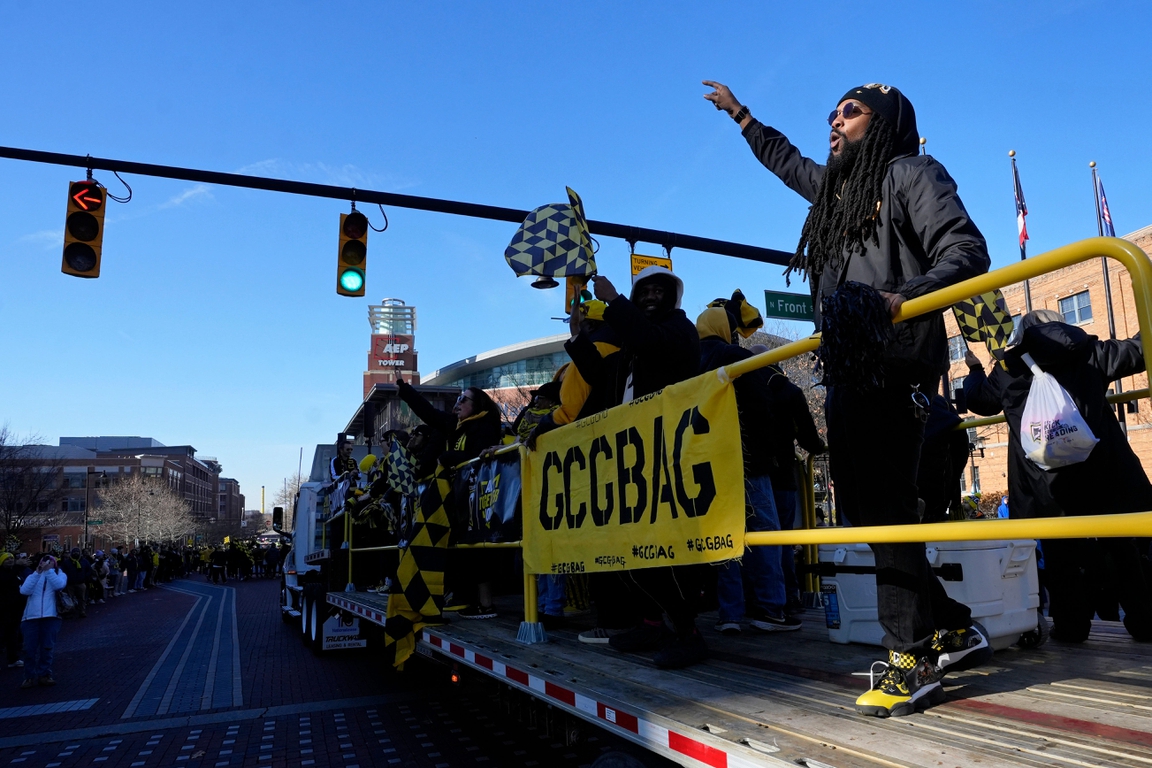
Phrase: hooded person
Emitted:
{"points": [[588, 383], [762, 567], [659, 343], [659, 346], [888, 218], [1110, 481]]}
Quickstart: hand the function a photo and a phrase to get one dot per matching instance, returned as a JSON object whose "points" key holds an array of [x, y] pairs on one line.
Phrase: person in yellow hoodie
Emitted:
{"points": [[587, 384]]}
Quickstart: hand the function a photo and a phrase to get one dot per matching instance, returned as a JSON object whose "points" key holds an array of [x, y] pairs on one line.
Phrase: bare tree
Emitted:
{"points": [[140, 509], [29, 483]]}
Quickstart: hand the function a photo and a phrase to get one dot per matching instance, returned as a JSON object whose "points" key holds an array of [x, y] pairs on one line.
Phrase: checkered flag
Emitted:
{"points": [[553, 242], [420, 573], [985, 318], [401, 472]]}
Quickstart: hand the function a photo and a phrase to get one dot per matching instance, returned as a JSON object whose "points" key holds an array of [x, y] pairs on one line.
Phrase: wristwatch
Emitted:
{"points": [[743, 113]]}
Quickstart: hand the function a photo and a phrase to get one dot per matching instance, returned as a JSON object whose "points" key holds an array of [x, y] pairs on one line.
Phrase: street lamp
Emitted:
{"points": [[88, 498]]}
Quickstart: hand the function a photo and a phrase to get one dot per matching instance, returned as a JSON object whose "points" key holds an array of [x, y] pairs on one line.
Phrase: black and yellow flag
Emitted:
{"points": [[418, 594], [553, 242], [401, 469], [986, 318]]}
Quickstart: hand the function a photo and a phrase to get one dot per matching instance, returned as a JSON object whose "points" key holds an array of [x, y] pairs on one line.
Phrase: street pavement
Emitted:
{"points": [[192, 675]]}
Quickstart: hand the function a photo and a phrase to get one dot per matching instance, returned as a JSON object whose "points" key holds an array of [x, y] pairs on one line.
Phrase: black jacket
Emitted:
{"points": [[793, 424], [926, 240], [757, 425], [465, 440], [1111, 479], [656, 353]]}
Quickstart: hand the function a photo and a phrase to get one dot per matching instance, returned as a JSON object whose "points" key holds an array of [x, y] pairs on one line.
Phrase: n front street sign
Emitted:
{"points": [[788, 306]]}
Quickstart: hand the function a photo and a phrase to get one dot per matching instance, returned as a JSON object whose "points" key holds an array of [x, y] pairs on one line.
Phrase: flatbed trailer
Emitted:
{"points": [[1056, 705], [788, 698]]}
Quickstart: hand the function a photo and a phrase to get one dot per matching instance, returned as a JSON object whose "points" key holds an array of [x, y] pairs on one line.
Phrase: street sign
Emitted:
{"points": [[95, 522], [788, 306], [641, 262]]}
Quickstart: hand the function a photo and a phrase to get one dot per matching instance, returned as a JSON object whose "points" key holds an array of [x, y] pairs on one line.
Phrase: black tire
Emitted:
{"points": [[316, 621], [304, 617]]}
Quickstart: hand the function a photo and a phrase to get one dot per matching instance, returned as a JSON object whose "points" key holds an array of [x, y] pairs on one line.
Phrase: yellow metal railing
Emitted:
{"points": [[1139, 268]]}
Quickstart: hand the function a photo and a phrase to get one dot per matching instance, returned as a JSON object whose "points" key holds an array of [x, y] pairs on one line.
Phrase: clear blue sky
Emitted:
{"points": [[215, 321]]}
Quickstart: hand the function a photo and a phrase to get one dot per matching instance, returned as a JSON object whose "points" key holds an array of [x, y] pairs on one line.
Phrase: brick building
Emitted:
{"points": [[73, 494], [198, 480], [231, 501], [1078, 293]]}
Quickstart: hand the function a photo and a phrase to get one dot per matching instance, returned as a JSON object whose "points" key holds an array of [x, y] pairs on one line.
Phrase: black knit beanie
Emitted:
{"points": [[888, 102]]}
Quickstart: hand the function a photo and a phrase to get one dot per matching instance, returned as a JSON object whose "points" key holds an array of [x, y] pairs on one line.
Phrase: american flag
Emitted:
{"points": [[1021, 207], [1105, 214]]}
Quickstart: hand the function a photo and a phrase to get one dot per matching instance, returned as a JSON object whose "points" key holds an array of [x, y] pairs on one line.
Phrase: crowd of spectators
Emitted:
{"points": [[38, 591]]}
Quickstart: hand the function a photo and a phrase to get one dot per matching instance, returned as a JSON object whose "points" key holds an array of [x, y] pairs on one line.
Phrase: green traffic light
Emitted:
{"points": [[352, 280]]}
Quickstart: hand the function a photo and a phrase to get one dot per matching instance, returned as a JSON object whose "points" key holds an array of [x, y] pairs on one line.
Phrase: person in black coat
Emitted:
{"points": [[1110, 481], [11, 609], [762, 566], [472, 426], [659, 347], [792, 424]]}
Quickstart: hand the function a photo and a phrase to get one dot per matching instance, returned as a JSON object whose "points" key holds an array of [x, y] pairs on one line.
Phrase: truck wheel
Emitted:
{"points": [[304, 608], [316, 628], [617, 760]]}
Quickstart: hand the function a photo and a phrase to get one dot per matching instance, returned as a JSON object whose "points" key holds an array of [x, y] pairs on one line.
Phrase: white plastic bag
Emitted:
{"points": [[1052, 431]]}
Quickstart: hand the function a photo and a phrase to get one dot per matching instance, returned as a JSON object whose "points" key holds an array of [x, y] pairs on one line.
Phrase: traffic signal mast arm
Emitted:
{"points": [[668, 240]]}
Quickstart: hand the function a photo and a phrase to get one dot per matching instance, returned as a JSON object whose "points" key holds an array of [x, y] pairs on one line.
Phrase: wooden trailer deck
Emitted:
{"points": [[1057, 705]]}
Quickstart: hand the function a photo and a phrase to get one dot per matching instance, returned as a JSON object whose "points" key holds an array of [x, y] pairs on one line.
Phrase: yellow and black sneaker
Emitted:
{"points": [[961, 649], [910, 683]]}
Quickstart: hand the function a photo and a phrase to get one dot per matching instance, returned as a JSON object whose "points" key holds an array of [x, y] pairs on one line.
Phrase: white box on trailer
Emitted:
{"points": [[996, 579]]}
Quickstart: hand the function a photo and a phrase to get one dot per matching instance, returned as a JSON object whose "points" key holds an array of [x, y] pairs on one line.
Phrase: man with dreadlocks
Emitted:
{"points": [[884, 217]]}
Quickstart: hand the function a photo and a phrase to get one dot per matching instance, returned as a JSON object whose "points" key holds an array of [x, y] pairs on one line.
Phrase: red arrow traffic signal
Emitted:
{"points": [[87, 195]]}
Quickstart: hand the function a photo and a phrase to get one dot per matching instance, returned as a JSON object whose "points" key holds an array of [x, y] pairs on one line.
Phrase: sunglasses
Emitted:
{"points": [[462, 398], [850, 110]]}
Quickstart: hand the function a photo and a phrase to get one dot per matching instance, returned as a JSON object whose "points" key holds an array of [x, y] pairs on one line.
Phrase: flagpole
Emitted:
{"points": [[1120, 409], [1023, 250]]}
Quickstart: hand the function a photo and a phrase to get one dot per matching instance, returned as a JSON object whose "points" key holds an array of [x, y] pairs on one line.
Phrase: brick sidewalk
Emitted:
{"points": [[342, 710]]}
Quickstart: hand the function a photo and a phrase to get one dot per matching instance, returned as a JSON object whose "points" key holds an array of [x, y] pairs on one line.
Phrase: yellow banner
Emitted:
{"points": [[658, 481]]}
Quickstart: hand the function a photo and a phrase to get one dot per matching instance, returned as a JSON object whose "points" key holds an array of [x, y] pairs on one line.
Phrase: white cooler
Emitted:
{"points": [[996, 579]]}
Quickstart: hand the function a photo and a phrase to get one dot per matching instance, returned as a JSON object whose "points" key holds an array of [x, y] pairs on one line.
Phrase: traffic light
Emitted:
{"points": [[83, 229], [353, 256], [575, 292]]}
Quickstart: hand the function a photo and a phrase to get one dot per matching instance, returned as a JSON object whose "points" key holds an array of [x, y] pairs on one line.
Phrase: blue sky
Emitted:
{"points": [[215, 320]]}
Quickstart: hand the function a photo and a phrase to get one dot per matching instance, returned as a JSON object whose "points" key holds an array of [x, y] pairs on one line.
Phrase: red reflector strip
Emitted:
{"points": [[561, 694], [483, 661], [515, 674], [456, 650], [622, 719], [702, 752]]}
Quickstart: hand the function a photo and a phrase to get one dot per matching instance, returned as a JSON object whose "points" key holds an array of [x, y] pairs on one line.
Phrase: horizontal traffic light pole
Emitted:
{"points": [[667, 240]]}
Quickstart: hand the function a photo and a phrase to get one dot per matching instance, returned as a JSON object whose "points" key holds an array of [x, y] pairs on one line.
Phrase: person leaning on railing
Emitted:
{"points": [[1110, 481], [472, 425], [883, 216]]}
